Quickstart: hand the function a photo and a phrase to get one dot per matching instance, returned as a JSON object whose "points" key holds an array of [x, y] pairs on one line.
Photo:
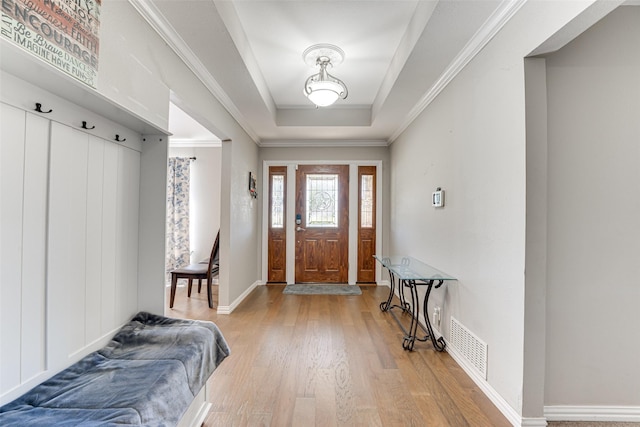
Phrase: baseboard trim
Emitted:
{"points": [[533, 422], [228, 309], [510, 414], [551, 413], [593, 413]]}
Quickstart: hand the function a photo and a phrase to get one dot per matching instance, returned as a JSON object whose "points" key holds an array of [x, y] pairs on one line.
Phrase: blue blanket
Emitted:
{"points": [[148, 375]]}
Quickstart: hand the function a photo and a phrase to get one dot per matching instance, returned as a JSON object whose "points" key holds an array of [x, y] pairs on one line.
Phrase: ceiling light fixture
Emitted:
{"points": [[323, 89]]}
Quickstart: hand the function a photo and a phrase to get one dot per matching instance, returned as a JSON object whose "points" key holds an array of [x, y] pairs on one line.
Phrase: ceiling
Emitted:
{"points": [[187, 132], [398, 55]]}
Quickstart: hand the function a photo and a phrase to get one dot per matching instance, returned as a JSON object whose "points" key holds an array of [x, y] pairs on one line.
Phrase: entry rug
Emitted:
{"points": [[322, 290]]}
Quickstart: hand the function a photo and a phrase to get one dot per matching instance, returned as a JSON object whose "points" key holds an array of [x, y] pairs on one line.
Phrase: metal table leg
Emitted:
{"points": [[412, 335], [386, 305], [439, 343]]}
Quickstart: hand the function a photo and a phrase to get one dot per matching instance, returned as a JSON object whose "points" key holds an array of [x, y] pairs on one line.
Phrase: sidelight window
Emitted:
{"points": [[366, 201], [277, 201]]}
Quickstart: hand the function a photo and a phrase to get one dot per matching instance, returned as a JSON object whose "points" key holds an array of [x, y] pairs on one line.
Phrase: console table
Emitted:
{"points": [[412, 273]]}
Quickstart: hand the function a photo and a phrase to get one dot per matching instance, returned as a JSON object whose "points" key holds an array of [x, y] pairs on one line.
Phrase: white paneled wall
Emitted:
{"points": [[34, 229], [128, 214], [96, 181], [11, 161], [69, 232], [93, 239], [67, 244], [23, 229], [107, 274]]}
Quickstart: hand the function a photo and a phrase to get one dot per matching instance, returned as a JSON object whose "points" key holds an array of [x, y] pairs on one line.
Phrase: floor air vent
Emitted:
{"points": [[469, 346]]}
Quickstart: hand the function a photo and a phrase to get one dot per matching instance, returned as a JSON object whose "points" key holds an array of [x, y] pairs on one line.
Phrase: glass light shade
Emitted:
{"points": [[324, 93]]}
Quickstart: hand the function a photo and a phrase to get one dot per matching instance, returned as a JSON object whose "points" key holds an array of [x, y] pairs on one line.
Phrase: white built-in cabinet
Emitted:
{"points": [[70, 237]]}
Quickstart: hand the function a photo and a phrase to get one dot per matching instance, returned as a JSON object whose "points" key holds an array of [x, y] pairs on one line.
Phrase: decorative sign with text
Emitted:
{"points": [[63, 33]]}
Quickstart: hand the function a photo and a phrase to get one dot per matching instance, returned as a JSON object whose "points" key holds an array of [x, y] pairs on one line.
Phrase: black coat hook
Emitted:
{"points": [[84, 126], [120, 140], [39, 109]]}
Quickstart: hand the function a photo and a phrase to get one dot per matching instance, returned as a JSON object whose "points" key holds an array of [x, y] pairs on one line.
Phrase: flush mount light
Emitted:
{"points": [[323, 89]]}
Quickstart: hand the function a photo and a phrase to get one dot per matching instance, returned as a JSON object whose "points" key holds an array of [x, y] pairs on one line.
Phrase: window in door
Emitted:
{"points": [[322, 204]]}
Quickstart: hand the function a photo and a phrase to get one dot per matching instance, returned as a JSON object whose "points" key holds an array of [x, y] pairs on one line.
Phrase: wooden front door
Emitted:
{"points": [[322, 224]]}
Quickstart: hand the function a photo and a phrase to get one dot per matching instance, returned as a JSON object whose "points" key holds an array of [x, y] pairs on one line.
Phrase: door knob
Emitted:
{"points": [[300, 229]]}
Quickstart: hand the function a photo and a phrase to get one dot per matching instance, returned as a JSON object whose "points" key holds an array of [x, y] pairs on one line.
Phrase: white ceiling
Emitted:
{"points": [[186, 131], [398, 55]]}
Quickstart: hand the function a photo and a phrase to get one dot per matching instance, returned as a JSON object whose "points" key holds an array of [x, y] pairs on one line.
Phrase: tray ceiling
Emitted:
{"points": [[398, 55]]}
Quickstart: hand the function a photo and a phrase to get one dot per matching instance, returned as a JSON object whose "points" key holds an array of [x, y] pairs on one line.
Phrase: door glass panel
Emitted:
{"points": [[322, 200], [366, 201], [277, 201]]}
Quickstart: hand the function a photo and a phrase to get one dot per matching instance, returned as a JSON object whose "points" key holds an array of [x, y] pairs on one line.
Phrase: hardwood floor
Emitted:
{"points": [[328, 360]]}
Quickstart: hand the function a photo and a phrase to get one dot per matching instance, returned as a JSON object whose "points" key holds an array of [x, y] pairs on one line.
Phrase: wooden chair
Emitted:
{"points": [[206, 271]]}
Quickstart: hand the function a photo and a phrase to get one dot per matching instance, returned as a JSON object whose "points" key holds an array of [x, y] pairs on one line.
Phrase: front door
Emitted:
{"points": [[322, 223]]}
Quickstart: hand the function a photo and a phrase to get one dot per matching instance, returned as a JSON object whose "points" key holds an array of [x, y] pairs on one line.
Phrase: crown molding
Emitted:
{"points": [[154, 17], [489, 29], [322, 143]]}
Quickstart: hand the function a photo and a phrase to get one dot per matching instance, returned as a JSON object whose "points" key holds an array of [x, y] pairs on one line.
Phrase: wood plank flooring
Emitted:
{"points": [[327, 360]]}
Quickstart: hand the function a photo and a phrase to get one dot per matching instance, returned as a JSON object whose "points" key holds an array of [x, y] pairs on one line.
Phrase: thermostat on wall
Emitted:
{"points": [[437, 198]]}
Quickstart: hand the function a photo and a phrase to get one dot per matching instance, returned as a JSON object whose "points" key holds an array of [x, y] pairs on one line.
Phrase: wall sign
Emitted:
{"points": [[63, 33]]}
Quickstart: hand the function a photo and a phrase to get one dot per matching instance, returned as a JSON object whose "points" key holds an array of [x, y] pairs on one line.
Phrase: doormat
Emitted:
{"points": [[322, 290]]}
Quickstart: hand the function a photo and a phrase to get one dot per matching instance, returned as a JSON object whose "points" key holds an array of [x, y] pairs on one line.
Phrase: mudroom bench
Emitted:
{"points": [[153, 373]]}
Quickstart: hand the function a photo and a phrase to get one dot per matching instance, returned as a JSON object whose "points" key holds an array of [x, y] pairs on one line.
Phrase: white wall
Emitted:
{"points": [[471, 142], [239, 233], [593, 254], [536, 239], [204, 197], [153, 73]]}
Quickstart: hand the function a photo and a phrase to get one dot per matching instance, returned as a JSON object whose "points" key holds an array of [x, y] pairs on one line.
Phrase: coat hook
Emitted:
{"points": [[120, 140], [39, 109], [84, 126]]}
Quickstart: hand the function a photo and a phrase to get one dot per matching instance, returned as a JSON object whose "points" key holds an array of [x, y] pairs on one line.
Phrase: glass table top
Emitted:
{"points": [[409, 268]]}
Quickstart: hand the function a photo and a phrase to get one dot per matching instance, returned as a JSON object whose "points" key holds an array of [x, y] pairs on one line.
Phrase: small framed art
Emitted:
{"points": [[253, 185]]}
